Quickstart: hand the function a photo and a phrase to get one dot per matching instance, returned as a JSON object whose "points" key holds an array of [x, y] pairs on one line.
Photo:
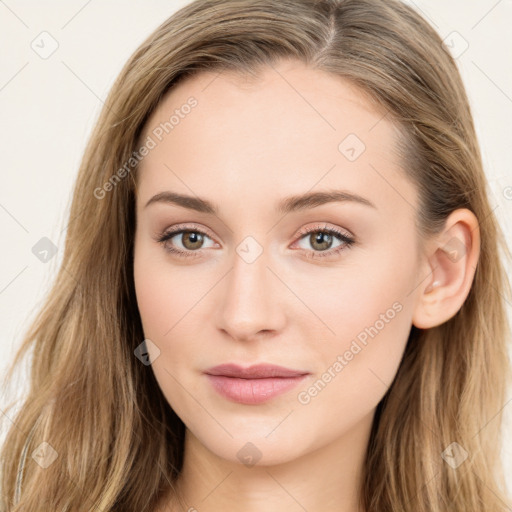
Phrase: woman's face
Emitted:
{"points": [[248, 284]]}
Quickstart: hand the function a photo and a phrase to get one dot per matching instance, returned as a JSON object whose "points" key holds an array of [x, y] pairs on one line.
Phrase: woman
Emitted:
{"points": [[200, 351]]}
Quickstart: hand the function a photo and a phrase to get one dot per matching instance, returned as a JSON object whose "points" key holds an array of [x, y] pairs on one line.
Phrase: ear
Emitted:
{"points": [[450, 260]]}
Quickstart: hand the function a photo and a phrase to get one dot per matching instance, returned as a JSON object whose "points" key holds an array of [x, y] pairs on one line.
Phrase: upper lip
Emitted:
{"points": [[258, 371]]}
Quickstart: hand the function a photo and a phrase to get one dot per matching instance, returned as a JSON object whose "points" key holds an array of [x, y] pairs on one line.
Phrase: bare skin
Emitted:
{"points": [[245, 147]]}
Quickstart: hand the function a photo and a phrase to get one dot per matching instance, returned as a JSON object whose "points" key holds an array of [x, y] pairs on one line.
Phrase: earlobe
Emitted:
{"points": [[451, 258]]}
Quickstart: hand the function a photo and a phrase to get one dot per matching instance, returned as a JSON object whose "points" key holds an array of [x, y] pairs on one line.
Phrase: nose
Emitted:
{"points": [[252, 302]]}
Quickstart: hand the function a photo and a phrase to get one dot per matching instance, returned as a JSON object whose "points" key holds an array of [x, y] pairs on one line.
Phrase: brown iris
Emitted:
{"points": [[193, 237], [317, 238]]}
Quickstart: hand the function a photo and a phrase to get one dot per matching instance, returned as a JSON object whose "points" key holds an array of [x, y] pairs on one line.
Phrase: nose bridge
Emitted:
{"points": [[249, 302]]}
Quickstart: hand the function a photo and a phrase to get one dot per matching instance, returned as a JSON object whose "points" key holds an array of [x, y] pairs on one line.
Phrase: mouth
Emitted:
{"points": [[255, 384]]}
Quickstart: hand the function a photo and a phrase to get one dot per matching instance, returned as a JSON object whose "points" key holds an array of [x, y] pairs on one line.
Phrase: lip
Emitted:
{"points": [[256, 371], [254, 384]]}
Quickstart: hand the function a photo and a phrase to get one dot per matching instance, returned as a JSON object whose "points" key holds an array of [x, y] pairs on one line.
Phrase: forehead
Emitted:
{"points": [[289, 89], [292, 128]]}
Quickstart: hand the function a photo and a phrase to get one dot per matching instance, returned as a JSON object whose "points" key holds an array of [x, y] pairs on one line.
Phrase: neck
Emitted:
{"points": [[326, 478]]}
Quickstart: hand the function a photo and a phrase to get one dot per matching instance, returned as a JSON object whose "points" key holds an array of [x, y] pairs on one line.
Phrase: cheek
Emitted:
{"points": [[163, 299], [153, 302], [171, 301], [352, 302], [162, 293], [366, 313], [355, 368]]}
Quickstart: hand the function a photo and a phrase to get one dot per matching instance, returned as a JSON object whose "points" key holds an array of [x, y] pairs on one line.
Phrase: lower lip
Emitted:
{"points": [[252, 391]]}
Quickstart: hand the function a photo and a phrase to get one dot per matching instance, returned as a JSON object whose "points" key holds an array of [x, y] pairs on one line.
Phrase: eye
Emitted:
{"points": [[321, 238], [191, 241]]}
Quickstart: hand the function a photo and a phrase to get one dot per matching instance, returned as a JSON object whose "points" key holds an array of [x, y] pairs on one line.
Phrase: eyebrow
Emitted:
{"points": [[285, 206]]}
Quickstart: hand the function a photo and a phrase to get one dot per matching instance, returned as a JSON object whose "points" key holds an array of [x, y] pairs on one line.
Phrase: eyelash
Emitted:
{"points": [[347, 241]]}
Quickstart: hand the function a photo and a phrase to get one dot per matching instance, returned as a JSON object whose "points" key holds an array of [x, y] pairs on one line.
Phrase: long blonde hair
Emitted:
{"points": [[114, 441]]}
